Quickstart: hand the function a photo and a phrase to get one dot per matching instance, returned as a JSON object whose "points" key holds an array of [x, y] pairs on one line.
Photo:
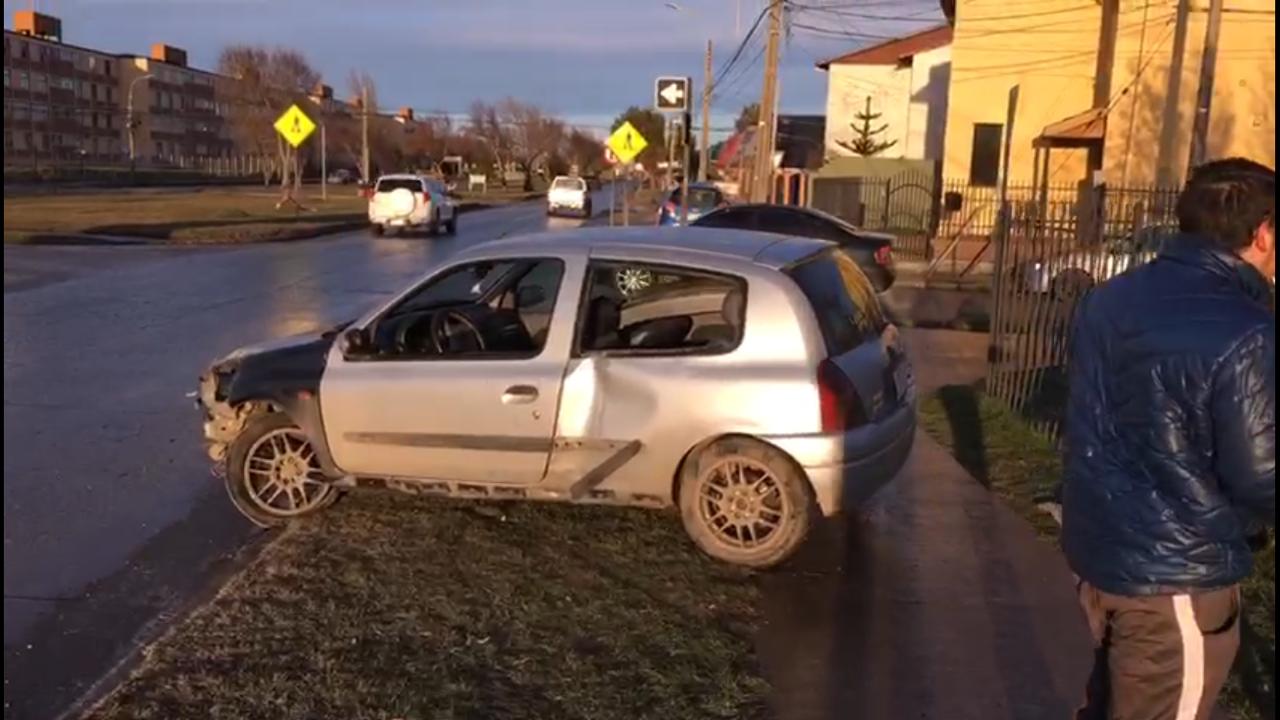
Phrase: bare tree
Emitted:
{"points": [[585, 151], [485, 127], [267, 82], [535, 136]]}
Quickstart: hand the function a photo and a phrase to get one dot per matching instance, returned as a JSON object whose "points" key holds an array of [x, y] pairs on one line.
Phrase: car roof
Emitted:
{"points": [[820, 214], [775, 251], [401, 176]]}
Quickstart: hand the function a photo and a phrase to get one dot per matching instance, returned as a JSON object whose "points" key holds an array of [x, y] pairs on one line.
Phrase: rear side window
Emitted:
{"points": [[843, 300], [387, 185], [702, 199], [659, 310]]}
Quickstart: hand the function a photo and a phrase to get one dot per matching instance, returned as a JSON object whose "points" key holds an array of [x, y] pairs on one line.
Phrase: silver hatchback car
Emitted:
{"points": [[753, 383]]}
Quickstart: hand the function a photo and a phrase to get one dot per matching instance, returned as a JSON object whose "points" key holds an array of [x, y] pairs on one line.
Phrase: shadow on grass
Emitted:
{"points": [[960, 402]]}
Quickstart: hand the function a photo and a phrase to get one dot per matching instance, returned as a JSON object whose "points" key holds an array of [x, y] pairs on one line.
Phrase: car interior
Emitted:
{"points": [[486, 309], [680, 311]]}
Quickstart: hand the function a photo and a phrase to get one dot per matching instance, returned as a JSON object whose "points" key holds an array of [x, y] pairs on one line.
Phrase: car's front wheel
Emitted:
{"points": [[746, 503], [273, 474]]}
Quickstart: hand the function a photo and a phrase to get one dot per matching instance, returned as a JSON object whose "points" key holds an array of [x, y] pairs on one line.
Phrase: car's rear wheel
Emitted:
{"points": [[451, 227], [746, 503], [377, 230], [273, 474]]}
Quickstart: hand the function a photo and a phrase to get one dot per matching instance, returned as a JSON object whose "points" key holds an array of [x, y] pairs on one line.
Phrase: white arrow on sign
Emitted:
{"points": [[673, 93]]}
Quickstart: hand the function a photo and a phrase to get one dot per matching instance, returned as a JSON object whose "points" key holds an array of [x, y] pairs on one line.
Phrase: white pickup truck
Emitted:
{"points": [[411, 202]]}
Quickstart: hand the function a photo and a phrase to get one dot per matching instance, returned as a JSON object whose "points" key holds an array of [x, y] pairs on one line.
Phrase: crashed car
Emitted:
{"points": [[755, 386]]}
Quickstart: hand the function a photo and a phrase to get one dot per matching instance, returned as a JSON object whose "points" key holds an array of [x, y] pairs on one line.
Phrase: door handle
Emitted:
{"points": [[519, 395]]}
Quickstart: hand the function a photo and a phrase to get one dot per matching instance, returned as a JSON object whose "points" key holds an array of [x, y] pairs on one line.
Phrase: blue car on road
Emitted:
{"points": [[703, 198]]}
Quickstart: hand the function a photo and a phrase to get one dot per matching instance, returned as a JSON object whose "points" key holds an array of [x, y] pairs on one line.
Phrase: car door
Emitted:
{"points": [[483, 416]]}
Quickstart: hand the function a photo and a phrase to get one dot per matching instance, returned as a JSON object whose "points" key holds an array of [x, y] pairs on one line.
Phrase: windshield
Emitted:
{"points": [[566, 183]]}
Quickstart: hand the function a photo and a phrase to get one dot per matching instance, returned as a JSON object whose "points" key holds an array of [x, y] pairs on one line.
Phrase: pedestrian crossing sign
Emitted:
{"points": [[626, 142], [294, 126]]}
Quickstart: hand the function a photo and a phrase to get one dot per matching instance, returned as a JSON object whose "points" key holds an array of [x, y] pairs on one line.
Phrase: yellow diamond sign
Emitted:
{"points": [[626, 142], [294, 126]]}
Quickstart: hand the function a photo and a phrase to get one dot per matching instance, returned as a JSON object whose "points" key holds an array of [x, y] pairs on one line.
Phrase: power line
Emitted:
{"points": [[737, 54]]}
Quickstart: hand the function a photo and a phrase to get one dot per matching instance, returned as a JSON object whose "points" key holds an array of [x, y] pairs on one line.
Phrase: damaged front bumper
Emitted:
{"points": [[223, 422]]}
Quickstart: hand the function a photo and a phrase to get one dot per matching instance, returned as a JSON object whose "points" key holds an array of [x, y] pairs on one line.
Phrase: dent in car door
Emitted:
{"points": [[489, 420]]}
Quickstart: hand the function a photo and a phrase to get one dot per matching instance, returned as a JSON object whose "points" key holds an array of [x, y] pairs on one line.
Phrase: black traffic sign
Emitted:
{"points": [[671, 94]]}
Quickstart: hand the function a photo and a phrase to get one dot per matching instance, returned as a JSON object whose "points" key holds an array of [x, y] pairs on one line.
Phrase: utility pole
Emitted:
{"points": [[364, 134], [768, 107], [1204, 99], [1166, 170], [704, 150], [324, 162], [1103, 72]]}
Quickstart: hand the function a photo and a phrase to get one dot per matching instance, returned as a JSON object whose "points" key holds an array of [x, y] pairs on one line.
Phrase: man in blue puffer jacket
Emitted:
{"points": [[1170, 450]]}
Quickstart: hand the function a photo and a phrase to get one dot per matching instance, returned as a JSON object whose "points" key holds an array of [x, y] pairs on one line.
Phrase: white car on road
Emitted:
{"points": [[569, 195], [411, 202]]}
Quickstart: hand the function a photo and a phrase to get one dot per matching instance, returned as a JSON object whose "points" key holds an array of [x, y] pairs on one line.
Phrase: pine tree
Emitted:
{"points": [[865, 141]]}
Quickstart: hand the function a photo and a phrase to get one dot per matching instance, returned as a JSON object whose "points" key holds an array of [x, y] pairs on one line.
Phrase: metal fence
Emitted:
{"points": [[904, 205], [1052, 253]]}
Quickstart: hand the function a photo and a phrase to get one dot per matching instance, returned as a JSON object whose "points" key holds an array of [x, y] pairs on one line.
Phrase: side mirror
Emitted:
{"points": [[357, 341], [530, 295]]}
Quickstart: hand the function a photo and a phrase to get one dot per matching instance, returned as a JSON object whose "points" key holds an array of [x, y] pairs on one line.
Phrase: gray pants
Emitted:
{"points": [[1159, 657]]}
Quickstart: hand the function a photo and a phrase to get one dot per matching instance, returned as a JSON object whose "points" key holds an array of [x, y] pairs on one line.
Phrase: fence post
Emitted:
{"points": [[888, 196]]}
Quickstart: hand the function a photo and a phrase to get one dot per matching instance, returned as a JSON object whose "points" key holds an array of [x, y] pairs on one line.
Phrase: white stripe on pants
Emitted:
{"points": [[1192, 658]]}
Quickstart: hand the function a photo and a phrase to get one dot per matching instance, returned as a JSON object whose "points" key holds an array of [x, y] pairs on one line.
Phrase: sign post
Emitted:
{"points": [[626, 143], [295, 127], [671, 94]]}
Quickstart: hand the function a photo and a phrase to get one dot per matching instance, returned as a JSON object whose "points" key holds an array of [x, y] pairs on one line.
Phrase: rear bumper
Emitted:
{"points": [[846, 470]]}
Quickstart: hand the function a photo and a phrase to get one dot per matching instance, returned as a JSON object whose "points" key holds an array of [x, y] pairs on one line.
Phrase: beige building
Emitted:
{"points": [[65, 104], [1049, 50], [906, 81], [178, 111]]}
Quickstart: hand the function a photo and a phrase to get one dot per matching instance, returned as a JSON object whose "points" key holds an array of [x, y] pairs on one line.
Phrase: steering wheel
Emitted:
{"points": [[442, 335]]}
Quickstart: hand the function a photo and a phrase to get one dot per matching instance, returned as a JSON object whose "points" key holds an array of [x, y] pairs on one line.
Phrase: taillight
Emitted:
{"points": [[884, 256], [838, 399], [671, 208]]}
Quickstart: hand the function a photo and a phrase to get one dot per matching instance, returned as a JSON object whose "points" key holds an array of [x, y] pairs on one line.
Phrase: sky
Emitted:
{"points": [[584, 60]]}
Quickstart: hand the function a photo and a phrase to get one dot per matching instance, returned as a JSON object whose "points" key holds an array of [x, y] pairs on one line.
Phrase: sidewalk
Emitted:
{"points": [[937, 602]]}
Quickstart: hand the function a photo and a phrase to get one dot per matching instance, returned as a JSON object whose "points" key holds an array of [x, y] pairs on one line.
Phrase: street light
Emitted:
{"points": [[132, 122]]}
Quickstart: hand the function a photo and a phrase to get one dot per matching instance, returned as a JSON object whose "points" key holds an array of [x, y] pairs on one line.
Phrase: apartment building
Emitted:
{"points": [[61, 102], [178, 111], [68, 104]]}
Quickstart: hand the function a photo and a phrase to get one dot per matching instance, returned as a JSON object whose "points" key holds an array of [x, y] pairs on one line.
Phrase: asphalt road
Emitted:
{"points": [[112, 522]]}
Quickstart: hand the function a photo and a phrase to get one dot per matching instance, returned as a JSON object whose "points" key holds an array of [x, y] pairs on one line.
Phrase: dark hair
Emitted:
{"points": [[1226, 200]]}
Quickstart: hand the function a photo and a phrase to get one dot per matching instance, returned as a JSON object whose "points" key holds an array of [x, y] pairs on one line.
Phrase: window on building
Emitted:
{"points": [[93, 92], [24, 80], [7, 79], [39, 82], [24, 50], [106, 68], [984, 163], [8, 141], [39, 113], [21, 111]]}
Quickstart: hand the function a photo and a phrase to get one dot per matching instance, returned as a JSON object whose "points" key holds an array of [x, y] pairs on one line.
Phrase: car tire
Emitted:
{"points": [[433, 227], [451, 227], [746, 503], [273, 475], [586, 210], [377, 230]]}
